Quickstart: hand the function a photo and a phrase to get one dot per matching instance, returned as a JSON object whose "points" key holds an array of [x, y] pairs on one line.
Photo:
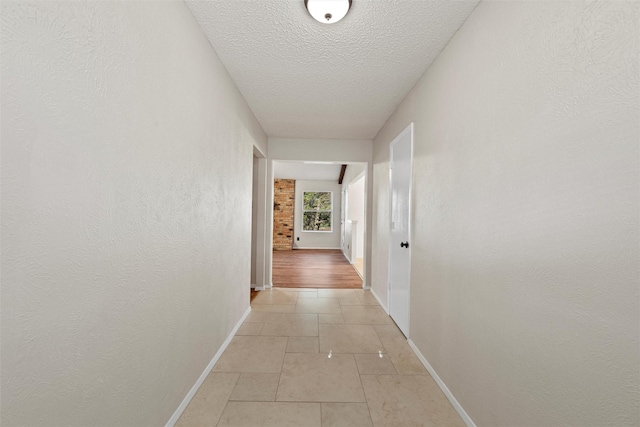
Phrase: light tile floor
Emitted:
{"points": [[277, 372]]}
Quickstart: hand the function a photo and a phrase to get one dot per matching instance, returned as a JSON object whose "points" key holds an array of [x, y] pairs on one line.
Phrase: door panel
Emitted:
{"points": [[399, 242]]}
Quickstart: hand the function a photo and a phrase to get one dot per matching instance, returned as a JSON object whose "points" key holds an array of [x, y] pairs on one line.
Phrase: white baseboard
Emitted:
{"points": [[384, 306], [176, 415], [465, 417]]}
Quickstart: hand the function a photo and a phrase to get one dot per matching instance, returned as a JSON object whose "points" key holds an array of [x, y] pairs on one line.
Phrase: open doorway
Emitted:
{"points": [[308, 228], [258, 275]]}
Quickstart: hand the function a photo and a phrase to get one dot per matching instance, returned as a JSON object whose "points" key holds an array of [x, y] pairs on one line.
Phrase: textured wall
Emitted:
{"points": [[284, 194], [524, 290], [126, 210]]}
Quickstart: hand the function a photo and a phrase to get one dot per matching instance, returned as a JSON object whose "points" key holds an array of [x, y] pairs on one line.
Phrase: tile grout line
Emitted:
{"points": [[275, 398], [228, 398], [366, 400], [284, 356]]}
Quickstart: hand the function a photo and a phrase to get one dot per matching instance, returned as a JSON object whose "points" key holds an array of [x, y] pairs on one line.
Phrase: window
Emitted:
{"points": [[316, 210]]}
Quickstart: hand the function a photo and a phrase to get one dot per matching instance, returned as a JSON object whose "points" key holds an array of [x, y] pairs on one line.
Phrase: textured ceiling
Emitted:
{"points": [[307, 171], [304, 79]]}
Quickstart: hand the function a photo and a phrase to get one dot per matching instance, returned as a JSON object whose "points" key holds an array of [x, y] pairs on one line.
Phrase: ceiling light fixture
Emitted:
{"points": [[328, 11]]}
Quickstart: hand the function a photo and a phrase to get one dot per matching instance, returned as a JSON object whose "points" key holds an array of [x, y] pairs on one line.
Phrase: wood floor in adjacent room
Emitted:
{"points": [[314, 268]]}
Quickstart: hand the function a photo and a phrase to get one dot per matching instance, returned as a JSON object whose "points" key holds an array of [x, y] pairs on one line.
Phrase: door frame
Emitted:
{"points": [[410, 130]]}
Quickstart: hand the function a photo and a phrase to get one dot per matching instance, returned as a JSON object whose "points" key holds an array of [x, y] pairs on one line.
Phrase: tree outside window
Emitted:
{"points": [[316, 207]]}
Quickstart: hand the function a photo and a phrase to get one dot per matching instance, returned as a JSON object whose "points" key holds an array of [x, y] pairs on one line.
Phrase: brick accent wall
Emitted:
{"points": [[284, 196]]}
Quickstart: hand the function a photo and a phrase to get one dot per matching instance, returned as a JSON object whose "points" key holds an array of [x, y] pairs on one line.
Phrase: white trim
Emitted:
{"points": [[360, 175], [384, 307], [359, 274], [187, 399], [456, 405]]}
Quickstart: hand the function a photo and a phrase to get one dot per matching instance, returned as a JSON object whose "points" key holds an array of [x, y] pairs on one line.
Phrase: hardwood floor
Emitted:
{"points": [[314, 268]]}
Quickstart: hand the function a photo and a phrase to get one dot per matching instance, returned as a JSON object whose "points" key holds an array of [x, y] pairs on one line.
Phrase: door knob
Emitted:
{"points": [[404, 244]]}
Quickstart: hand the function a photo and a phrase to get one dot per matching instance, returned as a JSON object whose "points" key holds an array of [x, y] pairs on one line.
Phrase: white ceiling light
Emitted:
{"points": [[328, 11]]}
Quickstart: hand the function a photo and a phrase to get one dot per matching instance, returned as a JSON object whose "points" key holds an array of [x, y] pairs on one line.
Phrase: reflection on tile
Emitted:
{"points": [[392, 339], [402, 400], [275, 297], [331, 319], [302, 345], [252, 354], [281, 353], [291, 325], [271, 414], [318, 305], [402, 356], [349, 339], [365, 315], [308, 377], [373, 364], [256, 387], [336, 293], [249, 329], [345, 415], [209, 402]]}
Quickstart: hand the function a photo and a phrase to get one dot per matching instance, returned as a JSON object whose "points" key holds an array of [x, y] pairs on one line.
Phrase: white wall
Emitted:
{"points": [[355, 211], [327, 150], [317, 239], [260, 181], [126, 210], [356, 203], [343, 151], [524, 290]]}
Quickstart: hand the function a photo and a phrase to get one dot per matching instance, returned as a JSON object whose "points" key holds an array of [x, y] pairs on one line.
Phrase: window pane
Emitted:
{"points": [[316, 221], [316, 201]]}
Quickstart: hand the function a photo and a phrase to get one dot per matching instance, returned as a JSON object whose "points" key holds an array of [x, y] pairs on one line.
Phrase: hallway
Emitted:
{"points": [[277, 371], [141, 143]]}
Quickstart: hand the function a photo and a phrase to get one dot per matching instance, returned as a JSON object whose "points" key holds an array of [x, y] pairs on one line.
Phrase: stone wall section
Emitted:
{"points": [[284, 194]]}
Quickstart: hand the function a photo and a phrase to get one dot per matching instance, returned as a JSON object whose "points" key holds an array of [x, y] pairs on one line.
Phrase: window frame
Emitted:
{"points": [[313, 210]]}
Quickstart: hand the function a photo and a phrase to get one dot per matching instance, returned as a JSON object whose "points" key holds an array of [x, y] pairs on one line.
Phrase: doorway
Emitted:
{"points": [[308, 221], [400, 165], [258, 221]]}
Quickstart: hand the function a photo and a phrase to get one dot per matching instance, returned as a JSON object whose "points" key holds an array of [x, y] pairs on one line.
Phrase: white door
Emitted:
{"points": [[400, 215]]}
